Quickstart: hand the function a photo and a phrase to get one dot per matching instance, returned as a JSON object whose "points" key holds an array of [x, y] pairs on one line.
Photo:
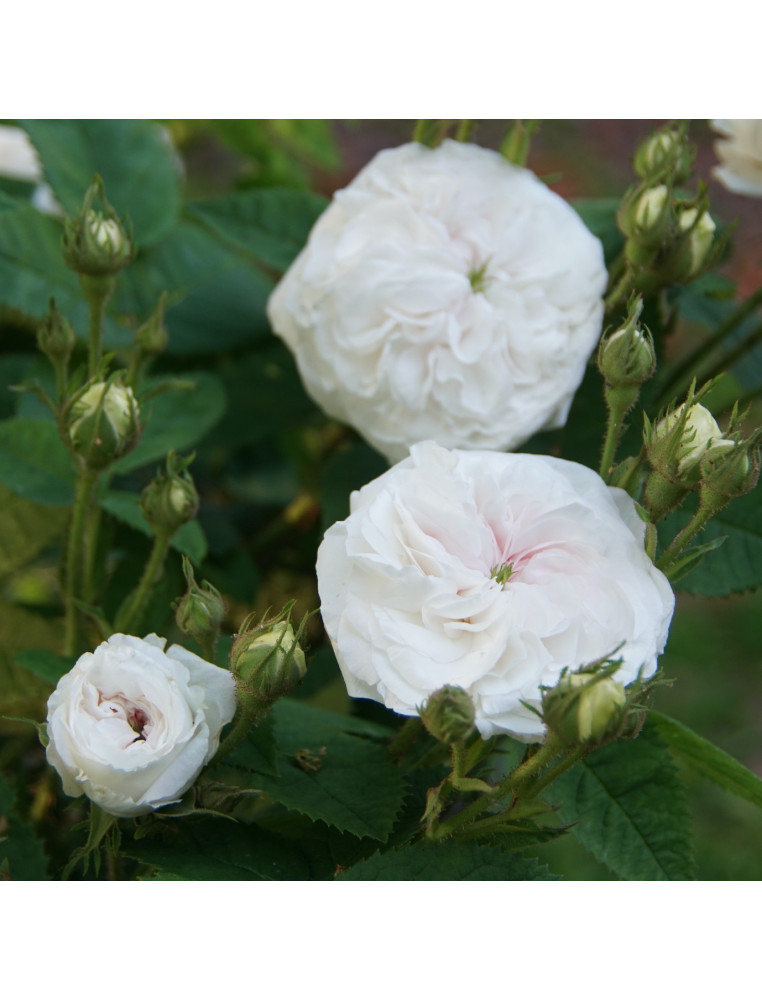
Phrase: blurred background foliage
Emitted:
{"points": [[230, 204]]}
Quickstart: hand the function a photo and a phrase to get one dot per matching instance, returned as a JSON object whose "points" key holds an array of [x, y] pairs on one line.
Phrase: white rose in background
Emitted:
{"points": [[19, 161], [491, 572], [131, 725], [445, 294], [740, 155]]}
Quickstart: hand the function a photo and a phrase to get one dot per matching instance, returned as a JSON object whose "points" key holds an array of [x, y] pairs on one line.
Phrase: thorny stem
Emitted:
{"points": [[97, 291], [131, 613], [75, 557], [678, 543]]}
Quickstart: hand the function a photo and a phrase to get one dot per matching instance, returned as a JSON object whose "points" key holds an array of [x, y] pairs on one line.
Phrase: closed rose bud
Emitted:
{"points": [[664, 152], [449, 714], [700, 230], [584, 708], [55, 336], [728, 469], [651, 215], [201, 610], [96, 244], [267, 662], [170, 500], [151, 338], [677, 443], [103, 423]]}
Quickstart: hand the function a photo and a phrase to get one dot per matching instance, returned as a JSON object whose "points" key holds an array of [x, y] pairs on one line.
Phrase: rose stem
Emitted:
{"points": [[613, 431], [97, 291], [677, 378], [130, 615], [678, 543], [74, 556]]}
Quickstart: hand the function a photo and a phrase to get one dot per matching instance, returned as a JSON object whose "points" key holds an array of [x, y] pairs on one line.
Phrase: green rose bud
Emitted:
{"points": [[200, 612], [170, 500], [585, 708], [96, 244], [151, 338], [448, 714], [728, 469], [665, 152], [267, 661], [681, 439], [55, 336], [103, 423]]}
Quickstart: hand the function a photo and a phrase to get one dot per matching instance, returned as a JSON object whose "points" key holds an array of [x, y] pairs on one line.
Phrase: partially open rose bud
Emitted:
{"points": [[267, 661], [96, 243], [584, 708], [103, 423], [170, 500]]}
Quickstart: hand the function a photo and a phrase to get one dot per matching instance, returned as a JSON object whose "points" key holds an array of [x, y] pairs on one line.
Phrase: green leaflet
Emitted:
{"points": [[448, 862], [629, 807], [708, 760]]}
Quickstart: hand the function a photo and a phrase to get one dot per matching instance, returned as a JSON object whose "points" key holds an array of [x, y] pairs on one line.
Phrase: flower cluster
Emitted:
{"points": [[445, 294]]}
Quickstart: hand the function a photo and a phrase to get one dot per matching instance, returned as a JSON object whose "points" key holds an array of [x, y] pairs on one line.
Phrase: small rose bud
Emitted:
{"points": [[584, 708], [170, 500], [55, 336], [728, 469], [267, 661], [200, 612], [626, 359], [96, 243], [678, 442], [151, 338], [699, 229], [651, 215], [103, 423], [664, 153], [448, 714]]}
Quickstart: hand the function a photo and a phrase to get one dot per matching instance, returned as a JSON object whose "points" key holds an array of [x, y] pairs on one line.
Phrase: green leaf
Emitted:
{"points": [[125, 507], [34, 462], [21, 693], [26, 529], [212, 850], [346, 471], [328, 773], [707, 759], [177, 418], [45, 664], [134, 158], [19, 846], [451, 862], [737, 564], [258, 751], [270, 225], [599, 215], [629, 808]]}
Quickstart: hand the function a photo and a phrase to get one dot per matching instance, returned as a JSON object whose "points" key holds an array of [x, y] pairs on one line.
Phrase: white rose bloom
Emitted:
{"points": [[492, 572], [445, 294], [740, 155], [19, 161], [131, 725]]}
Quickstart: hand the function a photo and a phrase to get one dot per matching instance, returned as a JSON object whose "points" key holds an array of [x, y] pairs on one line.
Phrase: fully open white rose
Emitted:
{"points": [[131, 725], [445, 294], [740, 155], [492, 572]]}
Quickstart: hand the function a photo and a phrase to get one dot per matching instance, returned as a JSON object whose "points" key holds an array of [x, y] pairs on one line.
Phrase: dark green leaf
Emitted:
{"points": [[34, 462], [708, 760], [257, 752], [737, 564], [599, 215], [24, 853], [177, 418], [449, 862], [328, 773], [26, 529], [126, 507], [268, 224], [45, 664], [134, 158], [211, 850], [346, 471], [629, 808]]}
